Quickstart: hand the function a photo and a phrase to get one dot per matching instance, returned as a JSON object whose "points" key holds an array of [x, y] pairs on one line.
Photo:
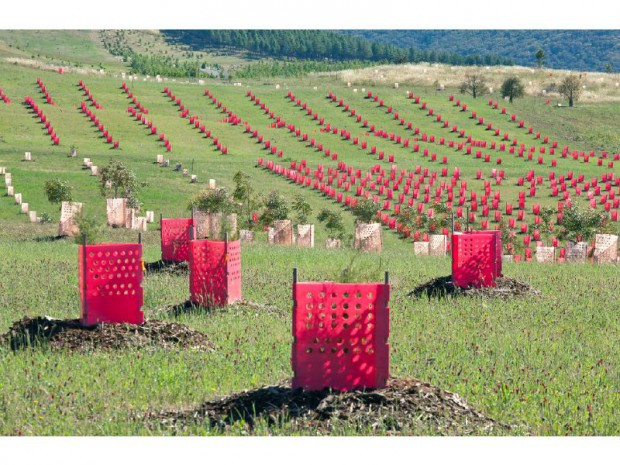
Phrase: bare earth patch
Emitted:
{"points": [[69, 334], [404, 406]]}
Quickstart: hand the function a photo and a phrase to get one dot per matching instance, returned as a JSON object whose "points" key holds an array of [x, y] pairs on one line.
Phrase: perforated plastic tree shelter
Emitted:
{"points": [[476, 258], [215, 272], [110, 280], [175, 236], [340, 335]]}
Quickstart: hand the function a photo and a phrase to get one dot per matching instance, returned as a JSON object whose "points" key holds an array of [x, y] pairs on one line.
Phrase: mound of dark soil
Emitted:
{"points": [[69, 334], [443, 287], [404, 405], [165, 266]]}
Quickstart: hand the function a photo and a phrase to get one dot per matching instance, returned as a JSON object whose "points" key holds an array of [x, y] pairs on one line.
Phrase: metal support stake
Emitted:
{"points": [[84, 275], [192, 232], [387, 277], [226, 265], [467, 223], [294, 289], [161, 232]]}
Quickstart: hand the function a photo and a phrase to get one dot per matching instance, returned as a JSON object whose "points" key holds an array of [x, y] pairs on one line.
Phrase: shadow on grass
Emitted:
{"points": [[189, 307], [167, 266], [436, 288], [444, 287], [48, 238]]}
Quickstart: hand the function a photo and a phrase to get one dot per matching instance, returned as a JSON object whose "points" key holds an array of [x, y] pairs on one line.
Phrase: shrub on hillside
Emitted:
{"points": [[58, 191]]}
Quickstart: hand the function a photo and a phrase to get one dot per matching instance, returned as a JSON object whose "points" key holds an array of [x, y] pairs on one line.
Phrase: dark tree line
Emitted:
{"points": [[164, 66], [583, 50], [319, 45]]}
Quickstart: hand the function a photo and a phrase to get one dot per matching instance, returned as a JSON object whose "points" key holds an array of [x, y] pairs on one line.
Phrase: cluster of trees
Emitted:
{"points": [[164, 66], [116, 44], [320, 45], [476, 85], [295, 68], [582, 50]]}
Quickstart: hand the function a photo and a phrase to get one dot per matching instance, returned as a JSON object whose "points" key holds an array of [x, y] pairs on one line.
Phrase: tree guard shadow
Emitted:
{"points": [[167, 266], [444, 287]]}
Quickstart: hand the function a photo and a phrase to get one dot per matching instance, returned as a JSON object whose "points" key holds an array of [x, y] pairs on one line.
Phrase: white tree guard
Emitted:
{"points": [[305, 235], [437, 244], [576, 252], [209, 225], [246, 235], [130, 217], [69, 212], [139, 223], [282, 232], [545, 254], [368, 237], [116, 212], [333, 243], [421, 248], [605, 248]]}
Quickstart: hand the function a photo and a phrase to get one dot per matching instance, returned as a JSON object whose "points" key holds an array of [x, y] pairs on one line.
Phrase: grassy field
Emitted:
{"points": [[547, 365]]}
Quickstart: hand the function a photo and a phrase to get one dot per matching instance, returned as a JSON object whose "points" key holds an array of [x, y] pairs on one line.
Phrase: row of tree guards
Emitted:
{"points": [[17, 196], [437, 244], [139, 112], [556, 186], [111, 275], [5, 98], [340, 330], [446, 124], [43, 119]]}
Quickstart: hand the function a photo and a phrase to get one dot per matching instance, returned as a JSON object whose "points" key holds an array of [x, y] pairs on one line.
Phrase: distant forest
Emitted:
{"points": [[580, 50], [323, 45]]}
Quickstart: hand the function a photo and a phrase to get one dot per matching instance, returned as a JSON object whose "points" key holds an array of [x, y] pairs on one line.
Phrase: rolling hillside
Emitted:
{"points": [[579, 50], [403, 137]]}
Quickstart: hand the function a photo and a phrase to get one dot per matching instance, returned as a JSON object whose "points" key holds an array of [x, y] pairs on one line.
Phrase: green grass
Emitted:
{"points": [[62, 47], [549, 366], [536, 364]]}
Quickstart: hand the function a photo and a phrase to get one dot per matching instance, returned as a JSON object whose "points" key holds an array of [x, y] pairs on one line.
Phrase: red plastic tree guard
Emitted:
{"points": [[476, 259], [175, 236], [340, 334], [214, 272], [110, 277]]}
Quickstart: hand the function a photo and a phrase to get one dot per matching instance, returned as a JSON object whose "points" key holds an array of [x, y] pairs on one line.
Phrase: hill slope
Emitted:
{"points": [[584, 50]]}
